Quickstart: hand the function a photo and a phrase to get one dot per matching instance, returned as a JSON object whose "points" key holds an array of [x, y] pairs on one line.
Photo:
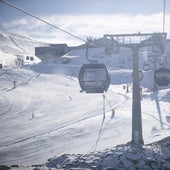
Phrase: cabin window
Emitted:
{"points": [[94, 75], [31, 58]]}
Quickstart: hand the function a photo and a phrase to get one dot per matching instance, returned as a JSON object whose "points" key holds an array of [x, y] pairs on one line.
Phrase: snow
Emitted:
{"points": [[14, 47], [7, 59], [17, 44], [45, 115]]}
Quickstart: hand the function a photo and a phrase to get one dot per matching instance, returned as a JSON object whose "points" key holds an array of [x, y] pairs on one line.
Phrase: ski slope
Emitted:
{"points": [[67, 121], [45, 115]]}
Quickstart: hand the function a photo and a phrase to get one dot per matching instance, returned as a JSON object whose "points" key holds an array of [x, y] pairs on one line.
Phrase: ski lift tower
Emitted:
{"points": [[135, 42]]}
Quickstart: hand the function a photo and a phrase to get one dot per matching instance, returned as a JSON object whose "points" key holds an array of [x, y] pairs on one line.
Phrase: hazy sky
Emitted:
{"points": [[83, 18]]}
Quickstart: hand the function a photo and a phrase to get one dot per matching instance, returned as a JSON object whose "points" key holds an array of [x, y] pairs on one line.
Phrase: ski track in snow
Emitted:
{"points": [[16, 44], [6, 105], [66, 125], [17, 110], [104, 124], [5, 71]]}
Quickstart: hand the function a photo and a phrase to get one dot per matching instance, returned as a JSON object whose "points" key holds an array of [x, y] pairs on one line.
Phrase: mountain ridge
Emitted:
{"points": [[18, 44]]}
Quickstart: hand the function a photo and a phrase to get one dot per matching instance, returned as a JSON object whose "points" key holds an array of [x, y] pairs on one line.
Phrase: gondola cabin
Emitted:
{"points": [[162, 77], [94, 78]]}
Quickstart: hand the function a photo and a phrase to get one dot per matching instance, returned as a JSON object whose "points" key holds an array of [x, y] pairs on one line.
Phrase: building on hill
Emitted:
{"points": [[51, 51], [26, 59], [95, 43], [110, 45]]}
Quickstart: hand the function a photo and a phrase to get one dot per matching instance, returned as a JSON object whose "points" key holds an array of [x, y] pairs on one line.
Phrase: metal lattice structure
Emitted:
{"points": [[135, 42]]}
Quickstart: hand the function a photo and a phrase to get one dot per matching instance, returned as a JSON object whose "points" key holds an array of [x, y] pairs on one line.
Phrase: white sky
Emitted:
{"points": [[83, 18]]}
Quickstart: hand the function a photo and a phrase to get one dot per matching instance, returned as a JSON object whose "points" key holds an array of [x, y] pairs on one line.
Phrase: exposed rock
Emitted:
{"points": [[152, 156], [3, 167]]}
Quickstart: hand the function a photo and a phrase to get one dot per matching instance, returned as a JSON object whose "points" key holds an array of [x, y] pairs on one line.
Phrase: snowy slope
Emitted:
{"points": [[7, 59], [13, 46], [47, 116], [17, 44]]}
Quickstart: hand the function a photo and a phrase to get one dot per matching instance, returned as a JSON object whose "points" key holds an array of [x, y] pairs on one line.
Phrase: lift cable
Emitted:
{"points": [[164, 9], [34, 16], [87, 57]]}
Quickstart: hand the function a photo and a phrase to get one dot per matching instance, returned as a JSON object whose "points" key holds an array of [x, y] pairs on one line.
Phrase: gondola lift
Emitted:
{"points": [[162, 76], [161, 62], [94, 77]]}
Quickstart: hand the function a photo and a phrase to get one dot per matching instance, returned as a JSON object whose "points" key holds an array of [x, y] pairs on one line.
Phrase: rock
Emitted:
{"points": [[140, 164], [109, 168], [127, 164], [166, 165], [80, 169], [133, 156], [57, 161], [3, 167]]}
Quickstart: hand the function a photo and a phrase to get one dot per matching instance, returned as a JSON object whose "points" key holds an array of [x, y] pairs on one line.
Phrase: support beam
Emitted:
{"points": [[135, 42], [137, 138]]}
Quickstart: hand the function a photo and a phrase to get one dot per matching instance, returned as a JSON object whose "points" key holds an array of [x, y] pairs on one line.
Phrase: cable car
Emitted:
{"points": [[162, 76], [94, 78]]}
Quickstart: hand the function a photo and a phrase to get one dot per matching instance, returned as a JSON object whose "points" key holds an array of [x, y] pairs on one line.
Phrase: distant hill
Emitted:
{"points": [[13, 45], [18, 44]]}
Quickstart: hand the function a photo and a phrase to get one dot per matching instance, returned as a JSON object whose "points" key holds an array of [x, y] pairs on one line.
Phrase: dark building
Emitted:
{"points": [[52, 51]]}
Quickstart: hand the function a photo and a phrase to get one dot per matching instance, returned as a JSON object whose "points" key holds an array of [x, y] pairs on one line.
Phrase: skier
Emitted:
{"points": [[14, 84]]}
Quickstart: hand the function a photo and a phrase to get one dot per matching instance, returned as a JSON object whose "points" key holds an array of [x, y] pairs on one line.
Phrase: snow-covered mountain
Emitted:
{"points": [[14, 49], [18, 44], [44, 119]]}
